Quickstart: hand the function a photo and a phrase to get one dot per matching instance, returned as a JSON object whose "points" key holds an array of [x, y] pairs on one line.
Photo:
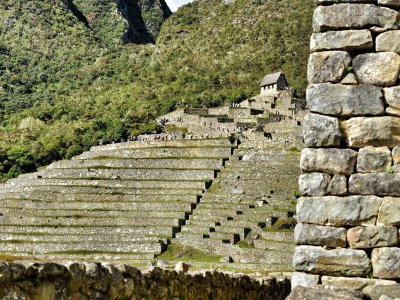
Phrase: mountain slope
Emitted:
{"points": [[77, 72]]}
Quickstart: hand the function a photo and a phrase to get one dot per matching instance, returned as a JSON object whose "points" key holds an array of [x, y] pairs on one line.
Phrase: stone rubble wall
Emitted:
{"points": [[349, 215], [33, 280]]}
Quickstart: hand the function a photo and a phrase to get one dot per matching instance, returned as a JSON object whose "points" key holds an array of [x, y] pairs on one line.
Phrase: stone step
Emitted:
{"points": [[225, 237], [168, 143], [229, 206], [210, 212], [267, 177], [171, 163], [278, 235], [90, 213], [69, 238], [85, 256], [114, 183], [88, 221], [98, 198], [198, 238], [100, 206], [117, 231], [100, 190], [74, 247], [274, 245], [177, 152], [126, 174], [249, 164], [196, 229], [243, 223]]}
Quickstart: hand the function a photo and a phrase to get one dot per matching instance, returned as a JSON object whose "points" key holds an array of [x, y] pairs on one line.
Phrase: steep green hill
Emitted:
{"points": [[74, 72]]}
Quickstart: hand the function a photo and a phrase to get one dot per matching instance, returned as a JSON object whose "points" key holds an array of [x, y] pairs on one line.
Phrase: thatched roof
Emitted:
{"points": [[271, 79]]}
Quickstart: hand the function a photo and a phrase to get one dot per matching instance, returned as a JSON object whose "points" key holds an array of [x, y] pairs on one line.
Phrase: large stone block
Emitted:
{"points": [[392, 96], [347, 40], [372, 237], [388, 41], [316, 235], [337, 186], [374, 159], [330, 161], [328, 66], [303, 279], [321, 131], [380, 184], [352, 16], [336, 262], [389, 212], [374, 131], [325, 293], [386, 263], [359, 284], [338, 211], [381, 69], [345, 100], [314, 184]]}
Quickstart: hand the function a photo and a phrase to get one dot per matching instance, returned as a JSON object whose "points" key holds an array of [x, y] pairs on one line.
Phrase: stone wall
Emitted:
{"points": [[30, 280], [349, 217]]}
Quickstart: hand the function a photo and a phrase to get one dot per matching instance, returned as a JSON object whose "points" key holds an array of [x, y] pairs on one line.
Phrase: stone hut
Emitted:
{"points": [[273, 83]]}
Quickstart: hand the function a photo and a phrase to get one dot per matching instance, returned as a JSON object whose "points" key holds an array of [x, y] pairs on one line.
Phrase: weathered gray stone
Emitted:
{"points": [[328, 66], [321, 131], [380, 184], [374, 159], [384, 292], [392, 96], [345, 100], [303, 279], [337, 186], [352, 16], [389, 212], [386, 262], [374, 131], [336, 262], [359, 284], [316, 235], [396, 155], [330, 161], [314, 184], [338, 211], [347, 40], [388, 41], [372, 237], [394, 3], [381, 69], [325, 293], [350, 79]]}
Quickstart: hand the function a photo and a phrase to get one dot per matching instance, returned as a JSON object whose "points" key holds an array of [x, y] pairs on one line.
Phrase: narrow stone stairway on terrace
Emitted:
{"points": [[116, 203], [239, 214]]}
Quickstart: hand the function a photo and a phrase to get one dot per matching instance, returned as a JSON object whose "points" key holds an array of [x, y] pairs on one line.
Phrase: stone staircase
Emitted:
{"points": [[237, 215], [120, 203]]}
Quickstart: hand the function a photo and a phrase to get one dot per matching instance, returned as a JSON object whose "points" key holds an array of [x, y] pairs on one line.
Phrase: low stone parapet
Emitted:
{"points": [[95, 280]]}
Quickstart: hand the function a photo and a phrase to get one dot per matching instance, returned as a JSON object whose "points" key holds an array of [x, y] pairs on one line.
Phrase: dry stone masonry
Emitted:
{"points": [[349, 215], [38, 281]]}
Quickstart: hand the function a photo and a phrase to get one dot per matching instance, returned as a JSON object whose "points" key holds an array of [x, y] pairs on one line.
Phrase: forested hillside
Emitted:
{"points": [[74, 72]]}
